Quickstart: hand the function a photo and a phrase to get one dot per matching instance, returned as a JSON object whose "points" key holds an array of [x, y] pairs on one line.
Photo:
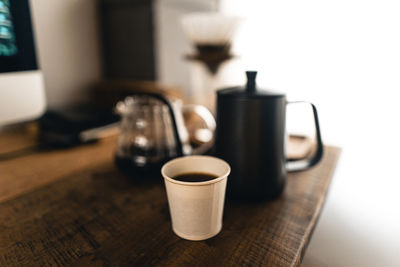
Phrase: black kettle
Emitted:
{"points": [[250, 136]]}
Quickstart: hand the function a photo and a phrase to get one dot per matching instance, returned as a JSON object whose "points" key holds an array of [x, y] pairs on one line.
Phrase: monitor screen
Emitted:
{"points": [[17, 50]]}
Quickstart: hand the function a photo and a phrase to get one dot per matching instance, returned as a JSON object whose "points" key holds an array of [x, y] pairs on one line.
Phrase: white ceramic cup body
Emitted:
{"points": [[196, 208]]}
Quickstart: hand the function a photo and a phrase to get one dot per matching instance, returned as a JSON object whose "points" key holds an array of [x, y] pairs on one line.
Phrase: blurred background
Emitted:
{"points": [[343, 56]]}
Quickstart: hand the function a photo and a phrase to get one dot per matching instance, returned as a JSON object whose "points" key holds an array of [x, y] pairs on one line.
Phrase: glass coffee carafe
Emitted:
{"points": [[153, 131]]}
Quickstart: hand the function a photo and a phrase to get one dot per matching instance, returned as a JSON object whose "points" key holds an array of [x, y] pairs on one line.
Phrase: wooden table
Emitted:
{"points": [[73, 207]]}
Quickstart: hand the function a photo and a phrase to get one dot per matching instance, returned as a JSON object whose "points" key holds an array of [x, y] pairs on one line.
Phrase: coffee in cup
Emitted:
{"points": [[195, 177]]}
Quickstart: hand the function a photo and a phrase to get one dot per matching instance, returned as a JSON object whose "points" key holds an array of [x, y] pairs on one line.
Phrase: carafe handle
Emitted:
{"points": [[209, 121], [303, 164]]}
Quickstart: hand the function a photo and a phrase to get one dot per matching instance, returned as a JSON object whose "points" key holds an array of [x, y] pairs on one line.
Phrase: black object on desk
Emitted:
{"points": [[75, 125]]}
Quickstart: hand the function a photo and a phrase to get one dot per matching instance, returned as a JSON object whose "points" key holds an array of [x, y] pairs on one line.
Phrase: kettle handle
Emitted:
{"points": [[303, 164], [163, 99]]}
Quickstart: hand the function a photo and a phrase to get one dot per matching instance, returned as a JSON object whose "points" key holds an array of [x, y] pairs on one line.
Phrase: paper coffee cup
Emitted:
{"points": [[196, 208]]}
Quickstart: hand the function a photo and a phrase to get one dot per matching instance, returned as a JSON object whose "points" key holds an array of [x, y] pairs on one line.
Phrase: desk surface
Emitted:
{"points": [[73, 207]]}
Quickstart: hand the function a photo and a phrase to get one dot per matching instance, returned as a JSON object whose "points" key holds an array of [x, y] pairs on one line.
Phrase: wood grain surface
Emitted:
{"points": [[81, 211]]}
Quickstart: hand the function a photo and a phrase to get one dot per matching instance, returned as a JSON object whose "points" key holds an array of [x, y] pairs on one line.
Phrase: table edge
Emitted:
{"points": [[312, 225]]}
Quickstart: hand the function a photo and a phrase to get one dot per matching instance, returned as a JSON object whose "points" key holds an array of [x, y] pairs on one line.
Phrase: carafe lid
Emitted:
{"points": [[250, 90]]}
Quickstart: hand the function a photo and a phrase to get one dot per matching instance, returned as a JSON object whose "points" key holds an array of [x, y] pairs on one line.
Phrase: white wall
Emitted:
{"points": [[344, 55], [67, 42]]}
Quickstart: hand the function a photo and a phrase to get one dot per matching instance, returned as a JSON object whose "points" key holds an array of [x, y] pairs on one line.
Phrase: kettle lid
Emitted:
{"points": [[250, 90]]}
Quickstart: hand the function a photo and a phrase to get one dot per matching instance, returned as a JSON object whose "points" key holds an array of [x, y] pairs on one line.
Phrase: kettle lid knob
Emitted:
{"points": [[251, 81]]}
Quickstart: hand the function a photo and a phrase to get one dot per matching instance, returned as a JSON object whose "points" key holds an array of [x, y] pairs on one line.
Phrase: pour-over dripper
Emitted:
{"points": [[211, 33]]}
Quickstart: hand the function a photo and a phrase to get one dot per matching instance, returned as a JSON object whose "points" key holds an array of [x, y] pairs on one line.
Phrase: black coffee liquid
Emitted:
{"points": [[195, 177]]}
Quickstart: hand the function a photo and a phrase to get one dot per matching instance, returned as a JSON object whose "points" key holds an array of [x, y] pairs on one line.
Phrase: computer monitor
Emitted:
{"points": [[21, 82]]}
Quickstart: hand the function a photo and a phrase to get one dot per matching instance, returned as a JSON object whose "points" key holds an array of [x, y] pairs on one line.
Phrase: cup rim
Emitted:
{"points": [[212, 181]]}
